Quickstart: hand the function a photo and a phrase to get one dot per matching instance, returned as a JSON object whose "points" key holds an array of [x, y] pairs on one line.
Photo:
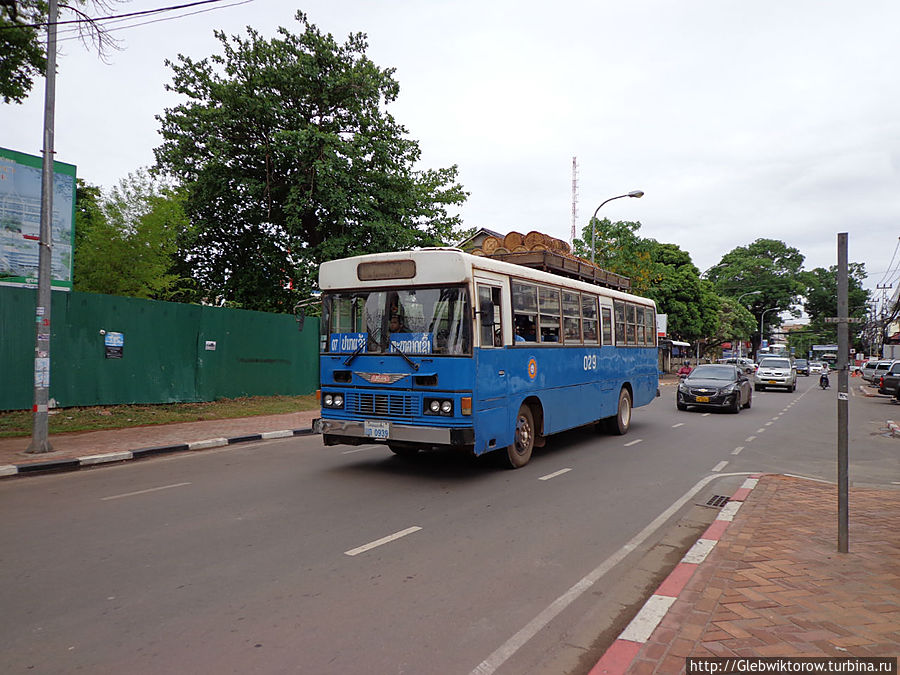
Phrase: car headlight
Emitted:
{"points": [[435, 406], [328, 400], [332, 400], [446, 407]]}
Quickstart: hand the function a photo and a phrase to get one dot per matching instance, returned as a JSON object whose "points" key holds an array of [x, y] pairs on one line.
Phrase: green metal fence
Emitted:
{"points": [[170, 351]]}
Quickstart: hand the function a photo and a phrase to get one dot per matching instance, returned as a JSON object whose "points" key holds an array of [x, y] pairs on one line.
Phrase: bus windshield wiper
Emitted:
{"points": [[349, 359], [415, 366]]}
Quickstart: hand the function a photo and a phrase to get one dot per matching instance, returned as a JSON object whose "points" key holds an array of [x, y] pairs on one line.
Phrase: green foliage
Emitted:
{"points": [[766, 265], [620, 250], [22, 55], [290, 159], [821, 302], [735, 323], [127, 241]]}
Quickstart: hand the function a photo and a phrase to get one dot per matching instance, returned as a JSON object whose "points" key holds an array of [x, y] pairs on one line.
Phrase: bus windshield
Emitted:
{"points": [[415, 321]]}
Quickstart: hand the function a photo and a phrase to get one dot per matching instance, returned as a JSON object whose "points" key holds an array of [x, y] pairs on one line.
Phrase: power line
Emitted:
{"points": [[114, 17]]}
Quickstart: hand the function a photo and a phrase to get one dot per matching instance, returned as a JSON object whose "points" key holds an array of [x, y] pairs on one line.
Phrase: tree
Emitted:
{"points": [[619, 249], [821, 302], [289, 159], [23, 49], [690, 302], [734, 323], [127, 245], [766, 265]]}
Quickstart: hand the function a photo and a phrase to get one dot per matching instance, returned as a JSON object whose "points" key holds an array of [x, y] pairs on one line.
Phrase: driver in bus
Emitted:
{"points": [[396, 325]]}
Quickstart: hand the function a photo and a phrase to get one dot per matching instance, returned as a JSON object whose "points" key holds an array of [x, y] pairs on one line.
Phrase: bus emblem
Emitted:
{"points": [[532, 368]]}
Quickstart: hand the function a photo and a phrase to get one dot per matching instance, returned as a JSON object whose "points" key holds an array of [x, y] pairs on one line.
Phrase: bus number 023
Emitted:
{"points": [[590, 362]]}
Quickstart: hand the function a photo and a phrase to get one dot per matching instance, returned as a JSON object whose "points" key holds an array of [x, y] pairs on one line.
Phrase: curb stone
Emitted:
{"points": [[74, 464], [619, 656]]}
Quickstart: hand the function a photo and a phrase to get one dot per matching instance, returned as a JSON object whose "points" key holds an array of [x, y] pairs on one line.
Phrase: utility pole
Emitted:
{"points": [[40, 442], [843, 399], [574, 200]]}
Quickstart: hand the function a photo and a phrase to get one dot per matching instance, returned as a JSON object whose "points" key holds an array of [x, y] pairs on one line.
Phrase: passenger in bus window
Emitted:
{"points": [[525, 329], [396, 325]]}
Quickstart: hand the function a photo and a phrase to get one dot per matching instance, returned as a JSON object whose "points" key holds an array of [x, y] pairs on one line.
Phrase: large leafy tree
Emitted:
{"points": [[821, 303], [127, 243], [620, 249], [290, 158], [692, 306], [768, 266]]}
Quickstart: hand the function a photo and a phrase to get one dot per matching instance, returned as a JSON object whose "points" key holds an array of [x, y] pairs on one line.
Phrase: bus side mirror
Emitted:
{"points": [[300, 315]]}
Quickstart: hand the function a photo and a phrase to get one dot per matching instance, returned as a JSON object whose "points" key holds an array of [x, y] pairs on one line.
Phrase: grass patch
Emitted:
{"points": [[61, 420]]}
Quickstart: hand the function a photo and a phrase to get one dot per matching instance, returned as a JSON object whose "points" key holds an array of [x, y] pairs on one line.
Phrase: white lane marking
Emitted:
{"points": [[554, 474], [705, 414], [143, 492], [383, 540], [721, 465], [635, 442], [749, 439], [645, 622], [533, 627], [776, 418], [759, 431], [680, 424], [768, 424], [350, 452], [737, 450]]}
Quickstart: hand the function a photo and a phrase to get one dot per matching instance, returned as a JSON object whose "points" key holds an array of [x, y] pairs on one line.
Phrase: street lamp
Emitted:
{"points": [[739, 302], [761, 317], [633, 193]]}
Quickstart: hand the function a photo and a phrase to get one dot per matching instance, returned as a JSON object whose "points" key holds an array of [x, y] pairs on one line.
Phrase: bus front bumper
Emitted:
{"points": [[353, 432]]}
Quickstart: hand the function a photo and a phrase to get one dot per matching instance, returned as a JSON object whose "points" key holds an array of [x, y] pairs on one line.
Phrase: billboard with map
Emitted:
{"points": [[20, 220]]}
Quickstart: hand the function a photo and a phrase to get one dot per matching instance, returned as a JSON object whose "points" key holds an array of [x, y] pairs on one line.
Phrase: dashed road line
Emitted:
{"points": [[759, 431], [750, 439], [627, 445], [382, 541], [554, 474], [143, 492], [680, 424], [737, 450], [721, 465]]}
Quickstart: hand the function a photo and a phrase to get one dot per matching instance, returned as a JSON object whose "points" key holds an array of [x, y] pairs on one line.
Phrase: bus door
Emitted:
{"points": [[492, 429]]}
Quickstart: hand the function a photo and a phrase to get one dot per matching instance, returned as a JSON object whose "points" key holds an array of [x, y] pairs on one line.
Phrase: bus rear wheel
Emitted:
{"points": [[621, 421], [519, 453]]}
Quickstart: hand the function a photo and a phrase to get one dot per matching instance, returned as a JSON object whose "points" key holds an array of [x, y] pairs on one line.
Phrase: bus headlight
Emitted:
{"points": [[438, 406], [332, 401]]}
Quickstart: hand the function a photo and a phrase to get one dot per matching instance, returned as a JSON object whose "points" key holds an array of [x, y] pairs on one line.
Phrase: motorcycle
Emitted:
{"points": [[823, 381]]}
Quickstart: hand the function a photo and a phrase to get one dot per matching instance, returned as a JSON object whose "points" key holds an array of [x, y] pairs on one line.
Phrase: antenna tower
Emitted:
{"points": [[574, 199]]}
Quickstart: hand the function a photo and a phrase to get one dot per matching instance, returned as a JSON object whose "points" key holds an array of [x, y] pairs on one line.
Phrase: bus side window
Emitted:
{"points": [[620, 322], [589, 312], [524, 299], [607, 326], [490, 316], [549, 313], [571, 317]]}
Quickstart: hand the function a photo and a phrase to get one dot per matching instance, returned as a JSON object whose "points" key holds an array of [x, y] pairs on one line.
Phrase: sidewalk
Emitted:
{"points": [[766, 580], [74, 450]]}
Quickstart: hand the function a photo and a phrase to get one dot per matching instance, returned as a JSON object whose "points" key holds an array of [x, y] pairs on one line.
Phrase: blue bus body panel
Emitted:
{"points": [[573, 386]]}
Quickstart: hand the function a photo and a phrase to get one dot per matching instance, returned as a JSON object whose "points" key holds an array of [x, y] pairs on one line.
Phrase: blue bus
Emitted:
{"points": [[440, 348]]}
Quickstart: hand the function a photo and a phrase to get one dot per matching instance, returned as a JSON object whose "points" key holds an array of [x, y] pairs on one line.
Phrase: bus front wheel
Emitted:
{"points": [[519, 453], [619, 423]]}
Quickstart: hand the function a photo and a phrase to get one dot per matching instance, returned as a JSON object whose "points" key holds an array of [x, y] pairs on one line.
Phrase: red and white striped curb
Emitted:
{"points": [[618, 658]]}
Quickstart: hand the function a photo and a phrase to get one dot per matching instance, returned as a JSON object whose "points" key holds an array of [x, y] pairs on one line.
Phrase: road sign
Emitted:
{"points": [[844, 319]]}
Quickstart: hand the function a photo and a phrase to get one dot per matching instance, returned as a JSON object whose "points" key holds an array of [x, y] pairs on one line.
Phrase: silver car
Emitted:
{"points": [[775, 371]]}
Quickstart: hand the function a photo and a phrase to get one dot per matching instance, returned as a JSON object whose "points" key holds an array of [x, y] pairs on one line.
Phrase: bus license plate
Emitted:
{"points": [[377, 430], [703, 399]]}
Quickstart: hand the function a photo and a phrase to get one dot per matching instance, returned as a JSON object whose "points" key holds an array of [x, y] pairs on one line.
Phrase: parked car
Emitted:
{"points": [[747, 365], [715, 385], [775, 371], [880, 368], [802, 366], [887, 383], [816, 367], [868, 369]]}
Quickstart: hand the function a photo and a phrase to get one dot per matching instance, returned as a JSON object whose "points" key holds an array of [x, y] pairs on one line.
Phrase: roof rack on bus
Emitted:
{"points": [[542, 252]]}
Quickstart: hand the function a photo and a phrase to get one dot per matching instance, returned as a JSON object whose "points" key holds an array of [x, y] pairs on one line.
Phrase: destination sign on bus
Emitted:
{"points": [[412, 343], [347, 342]]}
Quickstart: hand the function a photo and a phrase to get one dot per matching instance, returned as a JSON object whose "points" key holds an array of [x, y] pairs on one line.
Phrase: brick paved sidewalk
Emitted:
{"points": [[81, 444], [776, 586]]}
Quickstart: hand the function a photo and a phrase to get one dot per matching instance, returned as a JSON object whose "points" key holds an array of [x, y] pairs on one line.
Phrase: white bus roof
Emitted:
{"points": [[445, 266]]}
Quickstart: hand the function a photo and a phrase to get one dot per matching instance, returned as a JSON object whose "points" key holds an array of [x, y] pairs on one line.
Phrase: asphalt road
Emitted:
{"points": [[285, 556]]}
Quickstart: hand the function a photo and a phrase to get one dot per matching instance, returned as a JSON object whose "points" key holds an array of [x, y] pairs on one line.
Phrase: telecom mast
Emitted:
{"points": [[574, 200]]}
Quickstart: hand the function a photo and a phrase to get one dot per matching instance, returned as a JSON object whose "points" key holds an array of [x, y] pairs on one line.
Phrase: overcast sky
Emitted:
{"points": [[739, 120]]}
